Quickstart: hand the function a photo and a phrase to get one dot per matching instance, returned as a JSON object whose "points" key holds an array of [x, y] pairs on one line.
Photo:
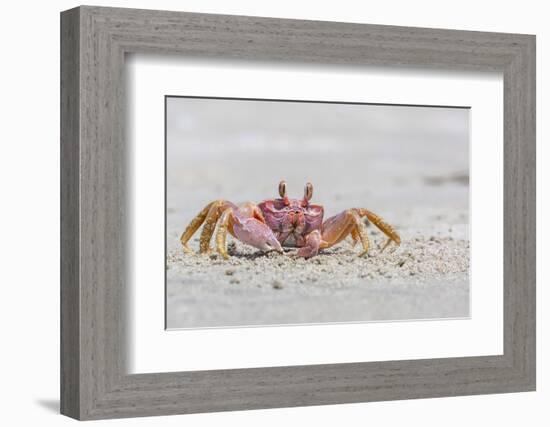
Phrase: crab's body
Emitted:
{"points": [[283, 222], [291, 220]]}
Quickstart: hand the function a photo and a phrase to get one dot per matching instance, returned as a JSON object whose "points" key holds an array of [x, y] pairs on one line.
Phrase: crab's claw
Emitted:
{"points": [[255, 233]]}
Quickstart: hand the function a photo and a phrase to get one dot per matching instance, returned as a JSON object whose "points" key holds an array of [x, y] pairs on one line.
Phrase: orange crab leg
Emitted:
{"points": [[354, 237], [337, 228], [361, 230], [210, 222], [209, 216], [221, 235], [382, 225], [193, 226]]}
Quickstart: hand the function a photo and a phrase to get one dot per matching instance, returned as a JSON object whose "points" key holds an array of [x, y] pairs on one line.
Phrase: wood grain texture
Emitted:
{"points": [[70, 292], [94, 266]]}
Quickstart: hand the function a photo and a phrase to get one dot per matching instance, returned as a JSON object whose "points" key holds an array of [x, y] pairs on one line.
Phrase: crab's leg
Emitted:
{"points": [[214, 213], [354, 237], [349, 222], [193, 227], [361, 230], [387, 229], [221, 234], [337, 228], [208, 215], [382, 225]]}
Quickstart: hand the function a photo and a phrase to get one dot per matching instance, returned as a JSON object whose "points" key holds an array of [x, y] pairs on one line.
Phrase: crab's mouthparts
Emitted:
{"points": [[291, 240], [296, 221]]}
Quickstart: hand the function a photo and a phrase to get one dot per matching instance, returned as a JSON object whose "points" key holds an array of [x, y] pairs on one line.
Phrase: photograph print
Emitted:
{"points": [[293, 212]]}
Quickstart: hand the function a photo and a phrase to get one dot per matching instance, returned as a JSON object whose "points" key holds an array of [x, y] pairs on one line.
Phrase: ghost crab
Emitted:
{"points": [[283, 222]]}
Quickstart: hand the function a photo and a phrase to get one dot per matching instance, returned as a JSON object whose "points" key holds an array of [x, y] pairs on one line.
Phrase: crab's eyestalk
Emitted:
{"points": [[308, 192], [282, 189]]}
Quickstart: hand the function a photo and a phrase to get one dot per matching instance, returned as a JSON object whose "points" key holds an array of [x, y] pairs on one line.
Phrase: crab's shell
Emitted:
{"points": [[291, 219]]}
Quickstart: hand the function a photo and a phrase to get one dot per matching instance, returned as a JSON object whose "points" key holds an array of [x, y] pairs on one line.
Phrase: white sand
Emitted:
{"points": [[425, 277]]}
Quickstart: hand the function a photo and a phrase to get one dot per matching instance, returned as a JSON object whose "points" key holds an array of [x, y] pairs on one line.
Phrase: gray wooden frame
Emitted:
{"points": [[94, 41]]}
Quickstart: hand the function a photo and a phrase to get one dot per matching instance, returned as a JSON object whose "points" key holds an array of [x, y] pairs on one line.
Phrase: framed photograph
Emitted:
{"points": [[261, 213]]}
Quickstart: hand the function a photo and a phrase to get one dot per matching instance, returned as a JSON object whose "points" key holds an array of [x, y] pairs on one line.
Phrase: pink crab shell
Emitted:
{"points": [[291, 219]]}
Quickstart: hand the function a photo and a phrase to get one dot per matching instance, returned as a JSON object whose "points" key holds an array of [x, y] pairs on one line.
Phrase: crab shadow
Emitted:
{"points": [[289, 253]]}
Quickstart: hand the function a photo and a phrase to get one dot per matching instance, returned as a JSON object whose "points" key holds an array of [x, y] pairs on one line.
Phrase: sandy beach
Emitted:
{"points": [[411, 168]]}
